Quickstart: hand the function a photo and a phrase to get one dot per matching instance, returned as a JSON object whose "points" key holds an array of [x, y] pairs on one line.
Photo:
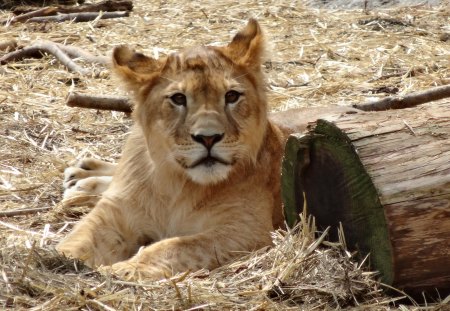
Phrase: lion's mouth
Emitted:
{"points": [[209, 161]]}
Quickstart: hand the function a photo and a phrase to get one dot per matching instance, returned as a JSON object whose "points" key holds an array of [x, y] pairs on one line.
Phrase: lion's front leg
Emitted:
{"points": [[208, 250], [103, 237]]}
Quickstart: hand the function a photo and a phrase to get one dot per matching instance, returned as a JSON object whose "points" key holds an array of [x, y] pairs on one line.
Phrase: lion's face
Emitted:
{"points": [[202, 110]]}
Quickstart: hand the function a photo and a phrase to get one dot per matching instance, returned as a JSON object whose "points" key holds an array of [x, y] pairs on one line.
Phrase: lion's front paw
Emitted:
{"points": [[134, 271], [87, 191], [87, 177], [73, 251], [84, 168]]}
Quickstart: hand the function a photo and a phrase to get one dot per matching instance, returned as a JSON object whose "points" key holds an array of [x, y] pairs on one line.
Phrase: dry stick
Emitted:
{"points": [[23, 211], [24, 17], [58, 50], [27, 52], [76, 52], [410, 100], [34, 50], [99, 102], [105, 6], [78, 17], [45, 46], [408, 73]]}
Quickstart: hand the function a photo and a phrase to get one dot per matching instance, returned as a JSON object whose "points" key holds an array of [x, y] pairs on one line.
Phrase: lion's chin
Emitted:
{"points": [[209, 172]]}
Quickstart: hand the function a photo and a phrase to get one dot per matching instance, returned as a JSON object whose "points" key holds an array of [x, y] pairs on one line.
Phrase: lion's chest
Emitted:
{"points": [[176, 216]]}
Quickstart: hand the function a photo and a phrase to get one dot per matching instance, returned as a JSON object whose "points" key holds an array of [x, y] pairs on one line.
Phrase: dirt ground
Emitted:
{"points": [[316, 57]]}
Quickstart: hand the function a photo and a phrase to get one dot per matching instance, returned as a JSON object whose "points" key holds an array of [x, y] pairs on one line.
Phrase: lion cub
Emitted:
{"points": [[198, 182]]}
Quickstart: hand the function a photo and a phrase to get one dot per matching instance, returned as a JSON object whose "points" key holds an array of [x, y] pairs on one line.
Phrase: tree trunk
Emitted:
{"points": [[386, 177]]}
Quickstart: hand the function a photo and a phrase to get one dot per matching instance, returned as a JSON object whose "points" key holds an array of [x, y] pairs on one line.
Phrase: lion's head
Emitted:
{"points": [[202, 110]]}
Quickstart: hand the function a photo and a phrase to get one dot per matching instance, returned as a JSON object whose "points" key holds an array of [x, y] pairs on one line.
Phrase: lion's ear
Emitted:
{"points": [[135, 69], [247, 47]]}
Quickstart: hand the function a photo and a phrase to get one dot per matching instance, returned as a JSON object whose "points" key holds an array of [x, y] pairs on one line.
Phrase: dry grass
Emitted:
{"points": [[316, 58], [8, 4]]}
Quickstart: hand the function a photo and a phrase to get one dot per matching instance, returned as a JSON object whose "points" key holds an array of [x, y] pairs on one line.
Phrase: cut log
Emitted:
{"points": [[8, 4], [104, 6], [78, 17], [407, 101], [103, 102], [386, 177]]}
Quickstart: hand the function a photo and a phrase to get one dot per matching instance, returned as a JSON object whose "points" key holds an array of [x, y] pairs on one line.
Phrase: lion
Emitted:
{"points": [[198, 183]]}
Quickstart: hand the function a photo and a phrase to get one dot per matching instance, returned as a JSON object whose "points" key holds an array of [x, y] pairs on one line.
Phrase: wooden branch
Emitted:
{"points": [[49, 47], [24, 17], [27, 52], [25, 6], [63, 53], [23, 211], [105, 6], [78, 17], [75, 52], [99, 102], [62, 57], [412, 72], [410, 100], [33, 51]]}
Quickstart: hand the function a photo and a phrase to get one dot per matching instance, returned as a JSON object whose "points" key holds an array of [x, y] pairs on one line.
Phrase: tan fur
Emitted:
{"points": [[162, 213]]}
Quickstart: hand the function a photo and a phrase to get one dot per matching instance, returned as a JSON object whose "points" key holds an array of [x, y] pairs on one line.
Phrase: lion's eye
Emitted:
{"points": [[232, 96], [178, 99]]}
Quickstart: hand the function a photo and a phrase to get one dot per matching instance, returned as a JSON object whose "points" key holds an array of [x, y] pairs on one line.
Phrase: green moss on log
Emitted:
{"points": [[324, 165]]}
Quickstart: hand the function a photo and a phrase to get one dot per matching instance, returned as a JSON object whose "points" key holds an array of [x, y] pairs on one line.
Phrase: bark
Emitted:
{"points": [[38, 48], [17, 5], [99, 102], [23, 211], [77, 17], [24, 17], [25, 14], [386, 177], [105, 6], [64, 53], [407, 101]]}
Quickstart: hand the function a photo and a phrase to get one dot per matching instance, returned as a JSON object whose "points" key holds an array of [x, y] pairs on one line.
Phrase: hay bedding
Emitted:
{"points": [[316, 57], [8, 4]]}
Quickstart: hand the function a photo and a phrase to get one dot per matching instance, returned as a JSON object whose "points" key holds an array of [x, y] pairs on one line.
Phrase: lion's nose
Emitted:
{"points": [[207, 141]]}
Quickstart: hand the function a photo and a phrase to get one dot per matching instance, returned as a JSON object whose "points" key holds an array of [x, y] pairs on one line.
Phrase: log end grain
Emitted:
{"points": [[386, 177], [325, 167]]}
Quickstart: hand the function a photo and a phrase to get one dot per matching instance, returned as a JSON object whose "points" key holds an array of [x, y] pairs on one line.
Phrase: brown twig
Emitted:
{"points": [[407, 73], [27, 52], [78, 17], [99, 102], [407, 101], [76, 52], [23, 211], [62, 52], [48, 47], [24, 17], [105, 6], [95, 8], [25, 5]]}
